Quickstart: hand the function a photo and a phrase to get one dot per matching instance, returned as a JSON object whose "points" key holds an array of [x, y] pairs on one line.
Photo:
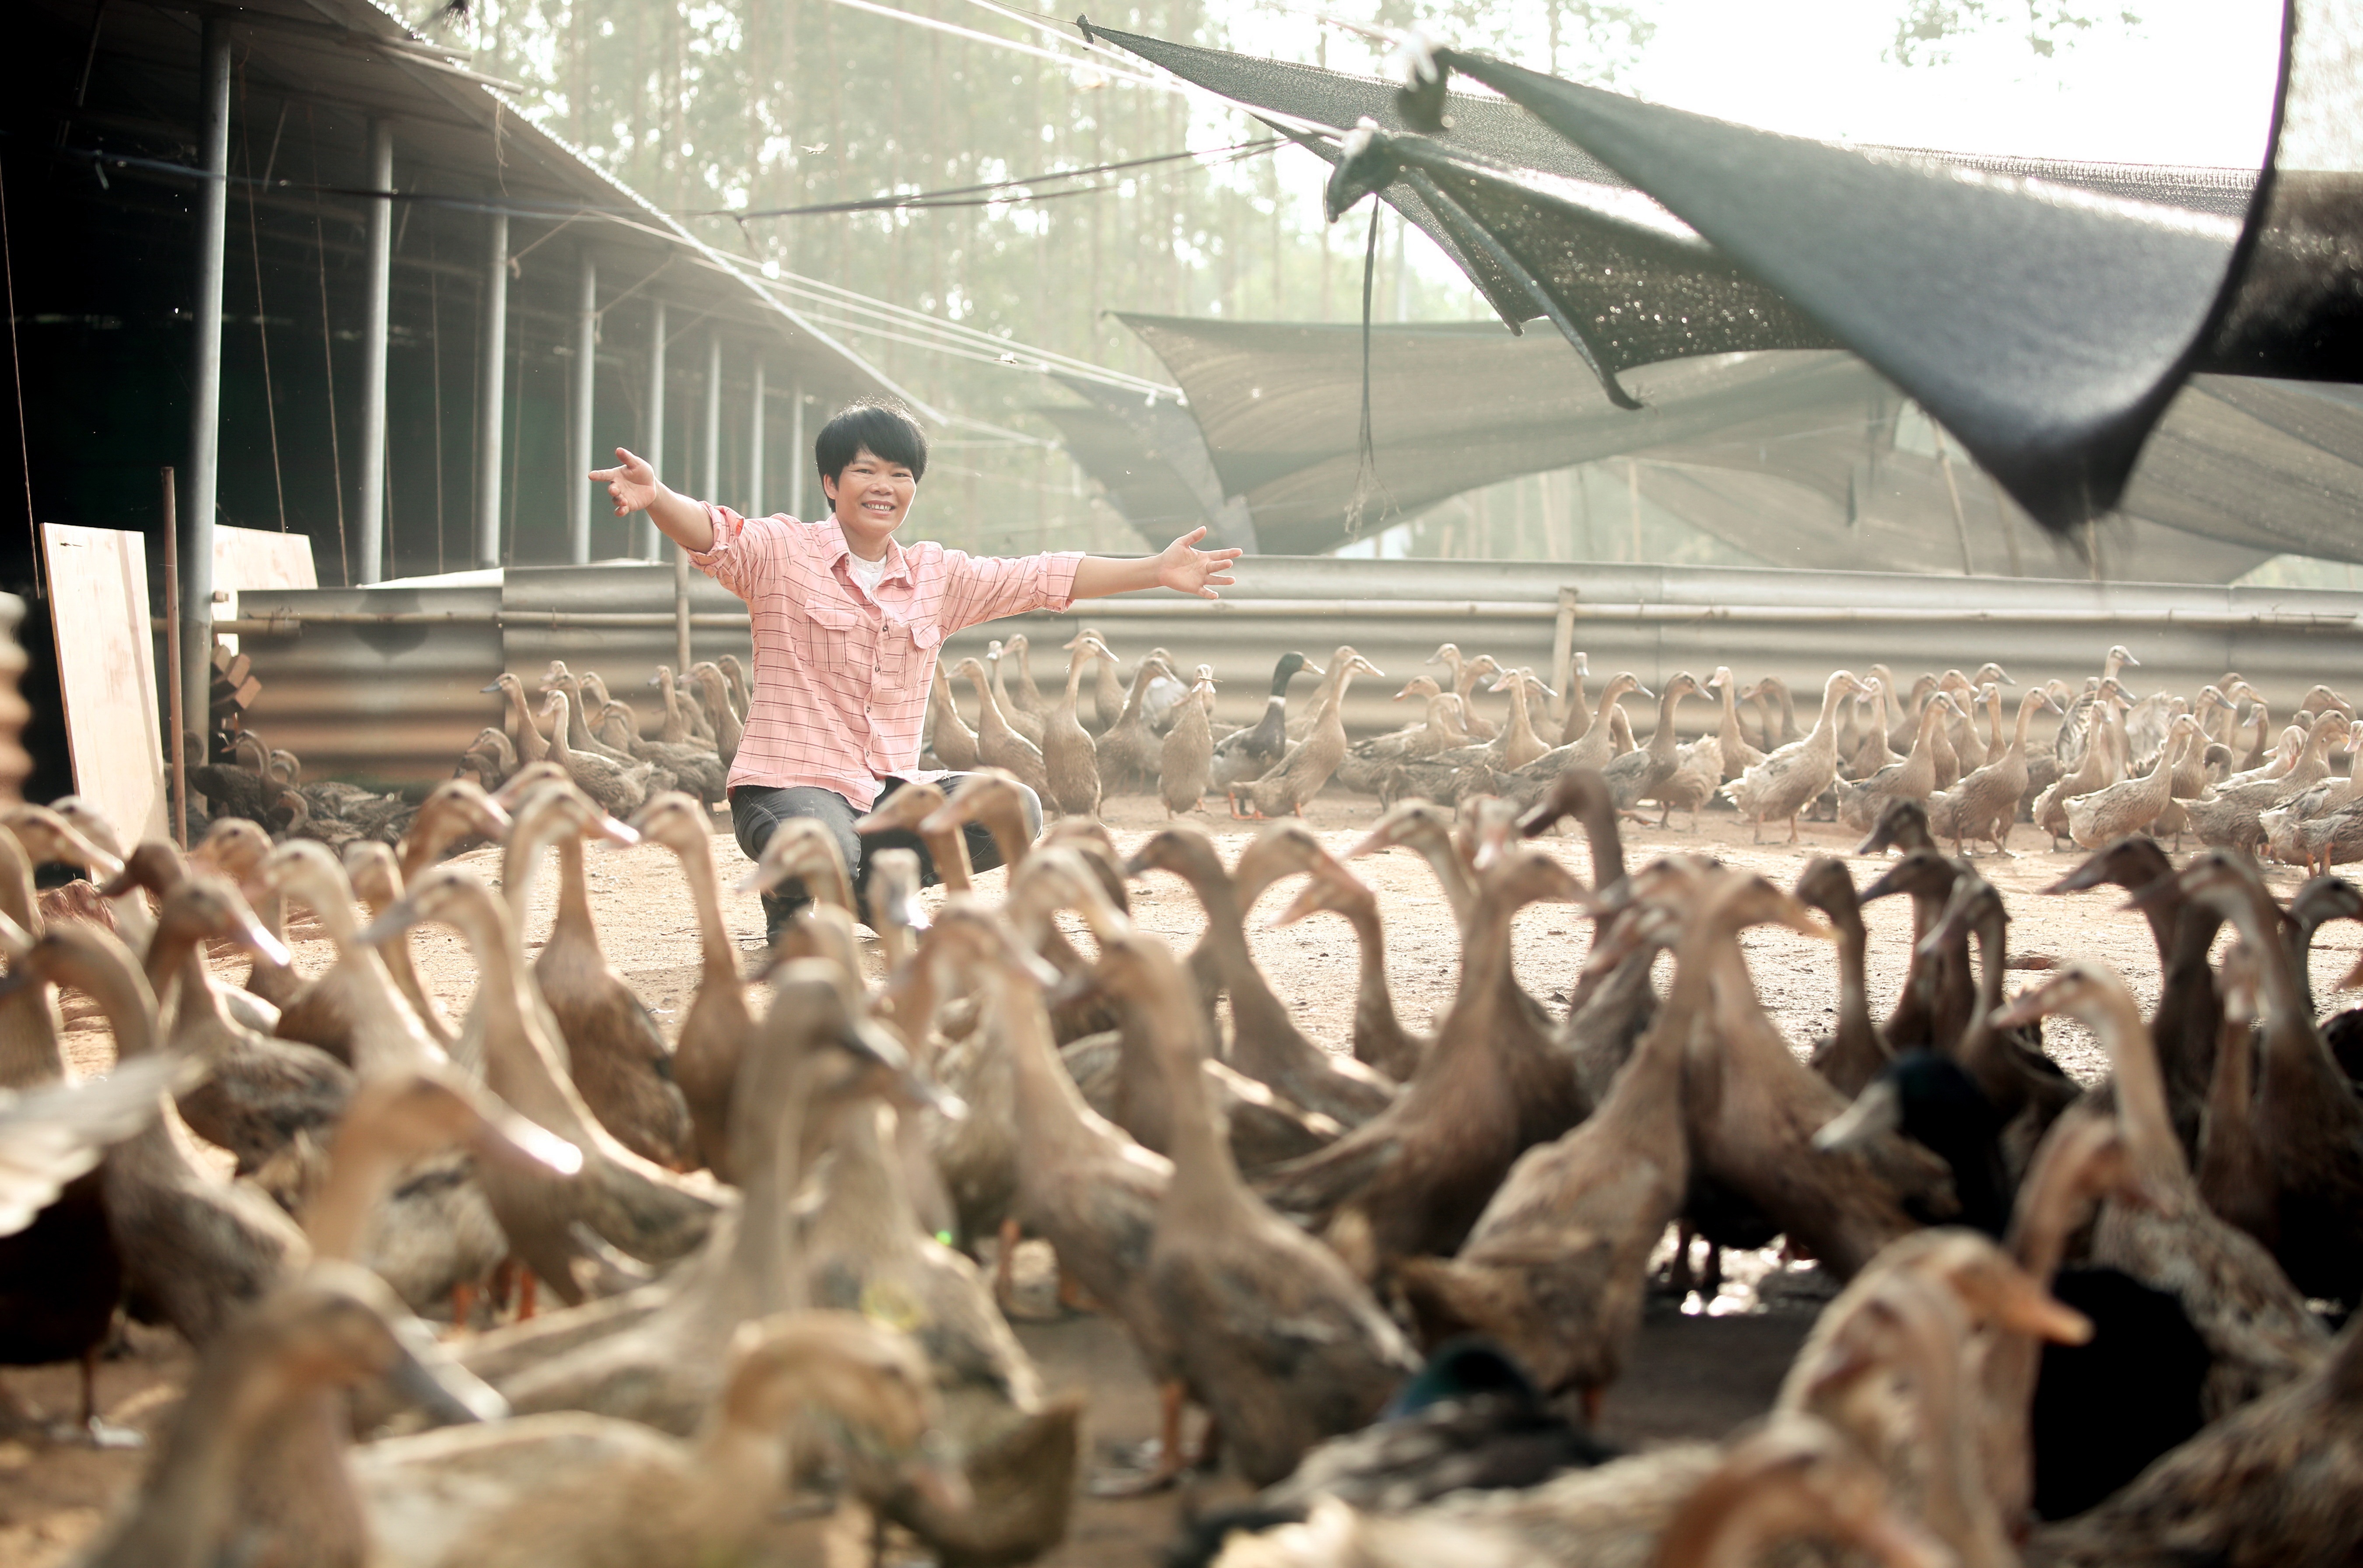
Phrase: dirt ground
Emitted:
{"points": [[1700, 1366]]}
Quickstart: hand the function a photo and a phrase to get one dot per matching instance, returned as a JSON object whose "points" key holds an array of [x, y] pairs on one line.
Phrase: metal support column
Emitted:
{"points": [[804, 459], [196, 560], [492, 386], [492, 376], [646, 541], [713, 432], [369, 513], [755, 444], [578, 431]]}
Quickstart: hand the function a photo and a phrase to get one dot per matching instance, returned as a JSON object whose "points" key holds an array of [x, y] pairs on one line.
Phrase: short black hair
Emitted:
{"points": [[887, 428]]}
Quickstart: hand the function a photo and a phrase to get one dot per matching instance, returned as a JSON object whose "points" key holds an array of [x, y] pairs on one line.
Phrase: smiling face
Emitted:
{"points": [[870, 498]]}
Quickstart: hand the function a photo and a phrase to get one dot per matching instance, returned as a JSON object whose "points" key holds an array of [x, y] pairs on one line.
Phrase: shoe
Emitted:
{"points": [[778, 911]]}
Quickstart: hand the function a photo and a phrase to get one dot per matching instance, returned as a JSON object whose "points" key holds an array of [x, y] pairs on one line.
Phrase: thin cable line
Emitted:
{"points": [[16, 367]]}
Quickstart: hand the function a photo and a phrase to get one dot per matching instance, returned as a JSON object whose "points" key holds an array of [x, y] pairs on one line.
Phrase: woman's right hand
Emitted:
{"points": [[631, 484]]}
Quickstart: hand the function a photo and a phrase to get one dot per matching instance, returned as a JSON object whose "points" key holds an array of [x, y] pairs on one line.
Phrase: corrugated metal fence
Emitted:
{"points": [[398, 699]]}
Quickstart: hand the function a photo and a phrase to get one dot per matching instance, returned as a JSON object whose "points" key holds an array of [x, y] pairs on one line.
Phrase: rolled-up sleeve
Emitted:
{"points": [[731, 562], [985, 588]]}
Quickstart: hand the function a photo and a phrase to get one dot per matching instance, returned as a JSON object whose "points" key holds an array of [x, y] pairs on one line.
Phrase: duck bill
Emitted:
{"points": [[247, 932], [496, 686], [2091, 873], [509, 1139], [1896, 1542], [2155, 892], [398, 917], [622, 835], [446, 1392], [1876, 1112], [2026, 1306], [2022, 1010], [1308, 902]]}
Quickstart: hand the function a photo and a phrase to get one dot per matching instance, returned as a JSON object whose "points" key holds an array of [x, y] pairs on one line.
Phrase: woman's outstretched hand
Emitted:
{"points": [[1184, 568], [632, 484]]}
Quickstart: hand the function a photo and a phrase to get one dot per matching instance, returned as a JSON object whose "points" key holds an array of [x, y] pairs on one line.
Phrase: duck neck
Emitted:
{"points": [[361, 1170], [1205, 1185], [520, 860], [2027, 708], [1577, 722], [1474, 1021], [531, 742], [431, 832], [1007, 822], [717, 960], [1262, 1033], [1052, 1112], [504, 1024], [949, 850], [1825, 727], [1661, 745], [1520, 727], [1451, 874], [573, 917], [2142, 1117], [1855, 1024], [989, 718], [1374, 1004], [1607, 844], [561, 745], [1980, 1049], [186, 1499], [1077, 662], [578, 727], [17, 898]]}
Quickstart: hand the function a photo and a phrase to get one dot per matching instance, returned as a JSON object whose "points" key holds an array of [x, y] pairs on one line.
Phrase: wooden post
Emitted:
{"points": [[1953, 489], [681, 609], [1563, 655], [178, 804], [1633, 490]]}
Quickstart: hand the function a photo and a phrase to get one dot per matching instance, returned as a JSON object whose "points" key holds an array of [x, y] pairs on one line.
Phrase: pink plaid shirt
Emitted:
{"points": [[841, 679]]}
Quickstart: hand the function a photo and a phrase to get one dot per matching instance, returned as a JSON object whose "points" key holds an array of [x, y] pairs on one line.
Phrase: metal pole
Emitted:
{"points": [[1633, 490], [491, 375], [370, 514], [755, 444], [204, 380], [586, 383], [713, 431], [647, 541], [1960, 524], [176, 718], [713, 434], [804, 459]]}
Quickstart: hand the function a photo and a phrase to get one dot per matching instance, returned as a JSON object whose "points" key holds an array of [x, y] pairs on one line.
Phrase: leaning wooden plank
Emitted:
{"points": [[257, 558], [106, 672]]}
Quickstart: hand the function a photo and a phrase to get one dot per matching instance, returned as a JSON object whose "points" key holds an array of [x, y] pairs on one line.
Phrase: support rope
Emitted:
{"points": [[328, 355], [16, 368]]}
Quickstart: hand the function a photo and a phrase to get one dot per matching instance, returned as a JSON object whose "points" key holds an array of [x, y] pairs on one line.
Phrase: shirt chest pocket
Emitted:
{"points": [[839, 639], [905, 649]]}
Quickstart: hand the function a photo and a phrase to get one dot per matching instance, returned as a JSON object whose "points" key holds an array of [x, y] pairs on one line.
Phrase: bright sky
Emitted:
{"points": [[2190, 83]]}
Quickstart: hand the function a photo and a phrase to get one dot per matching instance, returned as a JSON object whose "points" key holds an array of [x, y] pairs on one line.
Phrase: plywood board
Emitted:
{"points": [[107, 671], [256, 558]]}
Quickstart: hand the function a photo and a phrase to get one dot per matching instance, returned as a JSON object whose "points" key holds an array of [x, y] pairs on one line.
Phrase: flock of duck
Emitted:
{"points": [[705, 1297]]}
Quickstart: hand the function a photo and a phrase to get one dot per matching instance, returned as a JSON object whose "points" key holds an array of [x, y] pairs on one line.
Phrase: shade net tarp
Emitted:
{"points": [[2046, 313], [2239, 470]]}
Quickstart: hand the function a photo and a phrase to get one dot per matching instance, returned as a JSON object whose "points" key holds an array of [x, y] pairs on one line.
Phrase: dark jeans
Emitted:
{"points": [[757, 810]]}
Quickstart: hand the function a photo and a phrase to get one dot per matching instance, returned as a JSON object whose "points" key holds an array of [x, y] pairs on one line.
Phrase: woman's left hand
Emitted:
{"points": [[1187, 570]]}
